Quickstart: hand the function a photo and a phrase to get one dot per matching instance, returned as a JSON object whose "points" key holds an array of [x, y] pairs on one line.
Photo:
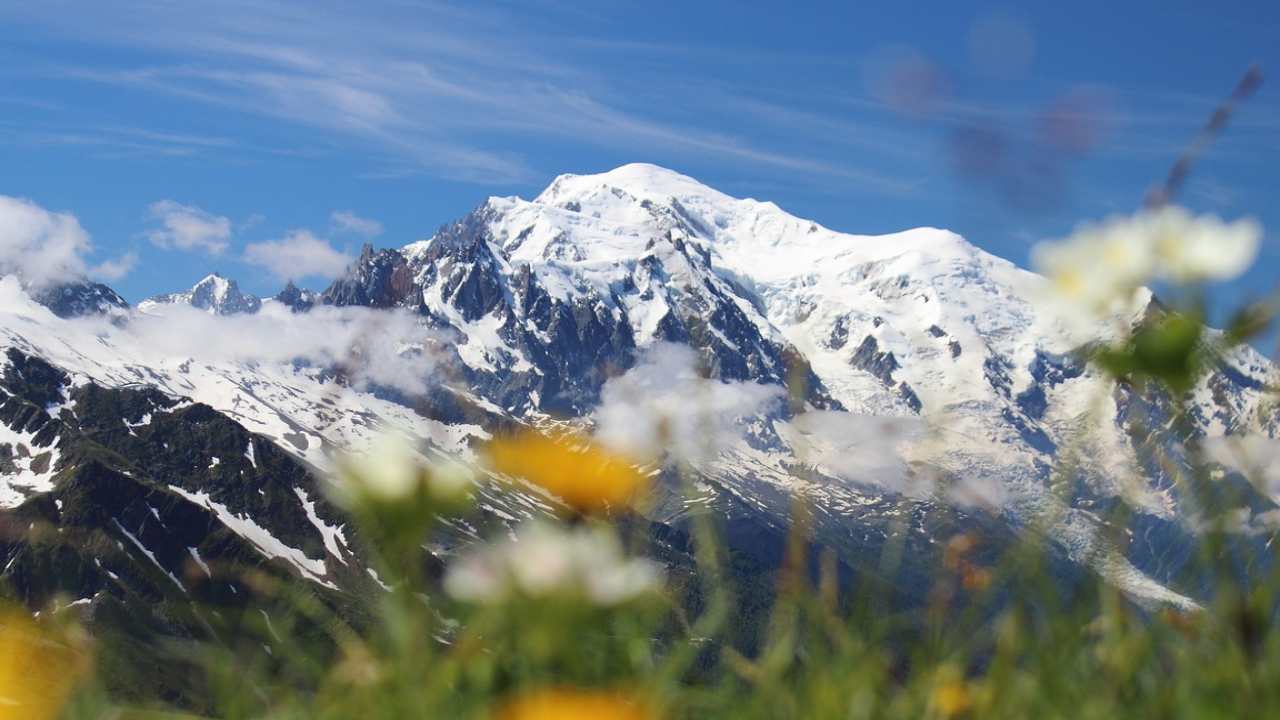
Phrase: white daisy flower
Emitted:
{"points": [[391, 470], [548, 561], [1191, 249], [1098, 273], [1257, 457]]}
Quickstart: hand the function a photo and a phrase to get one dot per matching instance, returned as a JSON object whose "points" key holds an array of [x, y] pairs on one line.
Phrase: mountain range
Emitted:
{"points": [[909, 386]]}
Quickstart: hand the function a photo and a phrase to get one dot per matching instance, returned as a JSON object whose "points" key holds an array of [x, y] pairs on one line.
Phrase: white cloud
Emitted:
{"points": [[664, 405], [389, 348], [297, 255], [345, 221], [115, 268], [186, 227], [39, 246], [44, 248]]}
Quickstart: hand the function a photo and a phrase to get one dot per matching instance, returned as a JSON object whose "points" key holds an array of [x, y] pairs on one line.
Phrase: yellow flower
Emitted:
{"points": [[951, 699], [586, 477], [951, 695], [571, 704], [37, 670]]}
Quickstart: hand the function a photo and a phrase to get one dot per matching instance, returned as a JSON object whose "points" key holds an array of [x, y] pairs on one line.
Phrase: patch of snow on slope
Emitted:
{"points": [[150, 555], [27, 468], [332, 534], [259, 537]]}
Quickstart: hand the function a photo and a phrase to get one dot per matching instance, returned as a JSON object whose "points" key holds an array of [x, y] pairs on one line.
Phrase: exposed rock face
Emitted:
{"points": [[379, 279], [296, 299]]}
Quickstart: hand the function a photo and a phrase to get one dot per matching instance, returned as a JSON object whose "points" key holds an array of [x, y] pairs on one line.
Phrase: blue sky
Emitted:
{"points": [[1007, 123]]}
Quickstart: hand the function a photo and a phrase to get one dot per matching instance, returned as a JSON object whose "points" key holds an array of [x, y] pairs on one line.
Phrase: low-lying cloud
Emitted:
{"points": [[387, 348], [663, 407]]}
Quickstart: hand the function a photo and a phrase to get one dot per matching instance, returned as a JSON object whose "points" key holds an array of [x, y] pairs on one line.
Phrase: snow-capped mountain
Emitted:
{"points": [[214, 294], [79, 298], [917, 348], [550, 297]]}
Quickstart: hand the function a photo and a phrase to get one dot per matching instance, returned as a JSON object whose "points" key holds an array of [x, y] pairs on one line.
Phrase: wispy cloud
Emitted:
{"points": [[113, 141], [455, 91], [115, 268], [439, 89], [27, 102], [346, 221]]}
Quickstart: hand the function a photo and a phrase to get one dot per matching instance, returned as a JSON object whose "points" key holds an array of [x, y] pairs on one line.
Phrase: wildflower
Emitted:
{"points": [[574, 704], [37, 669], [547, 561], [586, 477], [392, 472], [951, 695], [1099, 268], [1257, 457], [1096, 273], [957, 551], [1190, 249]]}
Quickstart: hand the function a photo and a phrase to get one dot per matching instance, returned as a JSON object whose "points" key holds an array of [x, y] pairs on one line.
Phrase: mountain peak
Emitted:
{"points": [[214, 293], [295, 298], [214, 280], [641, 180], [748, 237]]}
